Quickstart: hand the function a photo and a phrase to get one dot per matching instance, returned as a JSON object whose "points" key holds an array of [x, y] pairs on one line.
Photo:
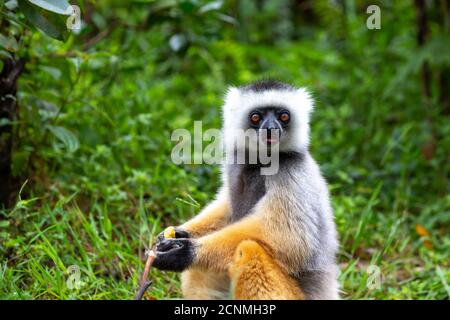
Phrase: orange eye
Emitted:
{"points": [[255, 118], [284, 117]]}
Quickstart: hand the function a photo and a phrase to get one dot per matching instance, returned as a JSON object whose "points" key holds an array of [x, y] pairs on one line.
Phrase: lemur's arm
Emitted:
{"points": [[270, 225], [213, 251], [213, 217]]}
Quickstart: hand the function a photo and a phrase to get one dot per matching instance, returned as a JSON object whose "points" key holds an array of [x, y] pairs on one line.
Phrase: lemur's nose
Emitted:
{"points": [[272, 126], [273, 130]]}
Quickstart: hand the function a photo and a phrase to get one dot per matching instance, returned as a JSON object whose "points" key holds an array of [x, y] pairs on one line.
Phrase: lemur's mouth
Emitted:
{"points": [[270, 138]]}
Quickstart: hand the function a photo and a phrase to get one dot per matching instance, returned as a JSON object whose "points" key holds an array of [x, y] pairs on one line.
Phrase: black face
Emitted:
{"points": [[272, 120]]}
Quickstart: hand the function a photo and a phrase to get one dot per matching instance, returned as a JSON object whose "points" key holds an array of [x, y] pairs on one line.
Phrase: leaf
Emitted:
{"points": [[428, 244], [5, 54], [64, 135], [187, 6], [177, 41], [443, 278], [9, 43], [53, 25], [227, 18], [421, 231], [20, 162], [214, 5], [56, 6], [54, 72], [4, 224], [157, 6], [11, 4]]}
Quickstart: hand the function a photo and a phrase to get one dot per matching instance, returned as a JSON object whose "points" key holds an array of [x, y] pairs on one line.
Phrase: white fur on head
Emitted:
{"points": [[239, 102]]}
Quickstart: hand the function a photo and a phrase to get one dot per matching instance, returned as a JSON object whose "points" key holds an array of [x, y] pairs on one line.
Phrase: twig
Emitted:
{"points": [[145, 283], [99, 36]]}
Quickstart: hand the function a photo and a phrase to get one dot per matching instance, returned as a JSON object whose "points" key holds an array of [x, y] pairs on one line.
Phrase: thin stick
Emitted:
{"points": [[145, 283]]}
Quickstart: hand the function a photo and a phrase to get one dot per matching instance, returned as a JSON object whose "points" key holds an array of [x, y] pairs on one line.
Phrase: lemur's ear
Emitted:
{"points": [[232, 102], [305, 99], [232, 90], [232, 96]]}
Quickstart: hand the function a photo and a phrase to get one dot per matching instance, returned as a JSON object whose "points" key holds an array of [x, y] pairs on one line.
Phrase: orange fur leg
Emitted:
{"points": [[215, 251], [204, 285], [255, 276], [212, 217]]}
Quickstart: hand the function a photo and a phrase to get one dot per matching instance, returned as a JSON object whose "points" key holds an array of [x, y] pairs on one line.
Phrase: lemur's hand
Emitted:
{"points": [[174, 254], [179, 233]]}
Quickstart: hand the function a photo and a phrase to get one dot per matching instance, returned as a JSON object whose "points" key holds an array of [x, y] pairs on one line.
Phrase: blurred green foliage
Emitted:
{"points": [[92, 141]]}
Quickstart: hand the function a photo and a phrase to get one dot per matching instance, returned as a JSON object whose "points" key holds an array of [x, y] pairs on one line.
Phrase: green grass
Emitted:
{"points": [[98, 206]]}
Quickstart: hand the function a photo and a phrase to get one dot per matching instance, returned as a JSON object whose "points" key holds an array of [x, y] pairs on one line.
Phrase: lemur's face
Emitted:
{"points": [[264, 106], [271, 123]]}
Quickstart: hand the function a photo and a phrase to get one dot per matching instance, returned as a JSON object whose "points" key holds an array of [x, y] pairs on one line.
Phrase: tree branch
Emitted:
{"points": [[145, 283]]}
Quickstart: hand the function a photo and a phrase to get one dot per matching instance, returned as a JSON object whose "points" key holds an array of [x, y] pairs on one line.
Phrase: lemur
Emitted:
{"points": [[264, 236]]}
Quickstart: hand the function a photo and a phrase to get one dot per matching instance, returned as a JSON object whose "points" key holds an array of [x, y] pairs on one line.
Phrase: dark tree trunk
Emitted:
{"points": [[444, 89], [422, 32], [303, 14], [444, 75], [9, 112]]}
